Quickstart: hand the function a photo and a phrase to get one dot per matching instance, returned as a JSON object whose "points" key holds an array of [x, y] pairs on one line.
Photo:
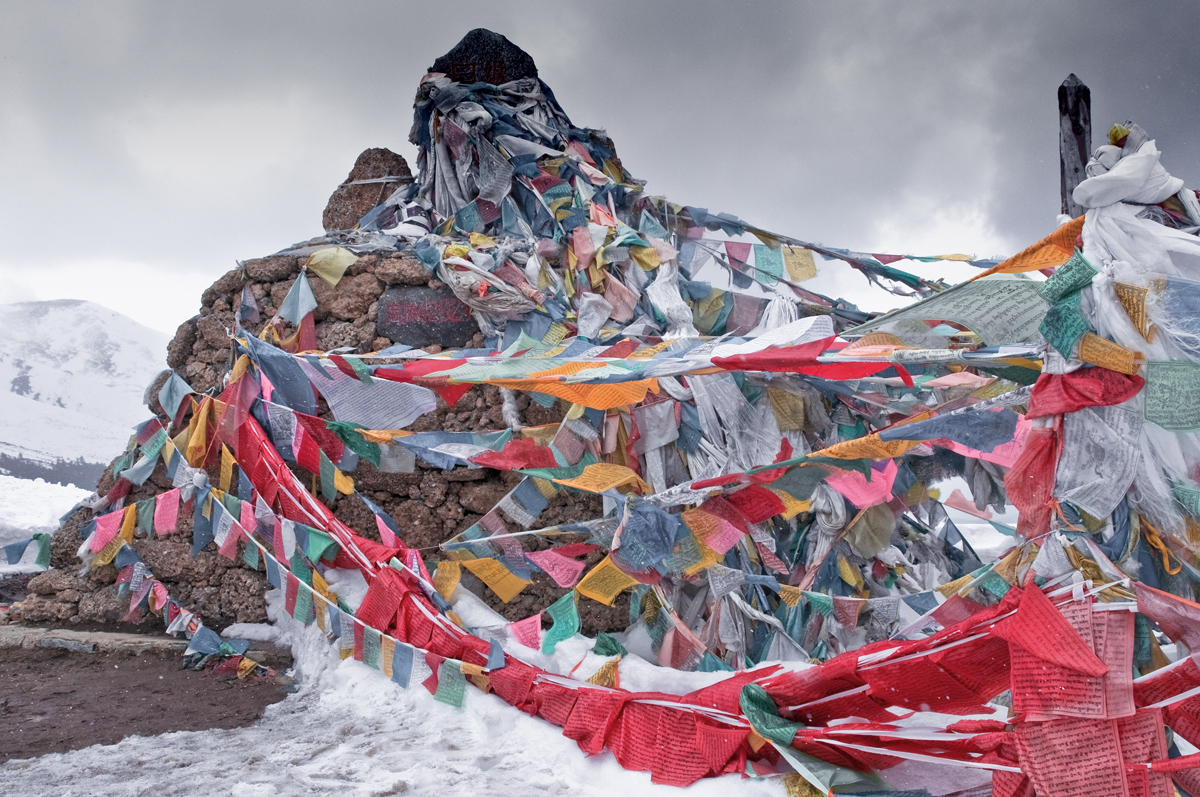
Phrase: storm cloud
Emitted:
{"points": [[144, 147]]}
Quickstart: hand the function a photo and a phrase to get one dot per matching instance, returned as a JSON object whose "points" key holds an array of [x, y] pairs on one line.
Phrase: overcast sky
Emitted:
{"points": [[147, 146]]}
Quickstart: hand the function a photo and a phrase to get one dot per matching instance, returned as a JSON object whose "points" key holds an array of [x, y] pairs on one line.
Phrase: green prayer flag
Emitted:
{"points": [[250, 555], [320, 546], [565, 615], [608, 646], [327, 486], [355, 441], [820, 601], [372, 646], [304, 606], [452, 686], [145, 516], [43, 555], [1067, 278]]}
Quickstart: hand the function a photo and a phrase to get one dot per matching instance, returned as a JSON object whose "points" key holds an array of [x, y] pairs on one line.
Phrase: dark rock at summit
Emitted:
{"points": [[484, 56]]}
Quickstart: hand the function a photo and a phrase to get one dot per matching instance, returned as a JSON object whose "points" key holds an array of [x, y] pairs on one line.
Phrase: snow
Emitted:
{"points": [[76, 373], [46, 433], [350, 731], [28, 506]]}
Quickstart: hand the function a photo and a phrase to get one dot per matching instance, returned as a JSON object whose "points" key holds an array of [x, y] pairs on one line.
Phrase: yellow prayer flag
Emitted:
{"points": [[608, 674], [342, 483], [319, 611], [601, 476], [197, 440], [227, 463], [791, 507], [446, 578], [645, 256], [953, 587], [867, 446], [1095, 350], [799, 264], [604, 582], [382, 435], [849, 573], [498, 578], [239, 368], [387, 652], [331, 263], [1133, 300]]}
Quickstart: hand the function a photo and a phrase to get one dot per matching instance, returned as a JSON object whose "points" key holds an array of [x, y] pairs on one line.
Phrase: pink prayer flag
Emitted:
{"points": [[528, 631], [960, 502], [161, 596], [863, 493], [585, 250], [564, 570], [247, 519], [107, 528], [267, 387], [229, 545], [738, 251], [385, 534], [166, 512], [726, 538]]}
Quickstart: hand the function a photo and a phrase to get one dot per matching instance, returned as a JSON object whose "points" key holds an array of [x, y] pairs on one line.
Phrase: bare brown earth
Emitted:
{"points": [[54, 700]]}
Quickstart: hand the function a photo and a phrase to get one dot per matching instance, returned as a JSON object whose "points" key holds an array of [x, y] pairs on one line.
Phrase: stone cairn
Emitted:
{"points": [[429, 505]]}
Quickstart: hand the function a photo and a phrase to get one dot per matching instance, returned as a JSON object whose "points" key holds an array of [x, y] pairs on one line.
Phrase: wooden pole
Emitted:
{"points": [[1074, 138]]}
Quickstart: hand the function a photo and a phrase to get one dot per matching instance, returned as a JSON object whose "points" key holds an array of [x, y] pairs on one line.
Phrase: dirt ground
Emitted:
{"points": [[54, 700]]}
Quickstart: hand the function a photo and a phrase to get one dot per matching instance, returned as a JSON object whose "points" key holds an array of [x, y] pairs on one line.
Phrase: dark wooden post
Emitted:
{"points": [[1074, 138]]}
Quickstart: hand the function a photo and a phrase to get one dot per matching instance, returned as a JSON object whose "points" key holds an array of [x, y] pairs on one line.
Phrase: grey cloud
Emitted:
{"points": [[188, 135]]}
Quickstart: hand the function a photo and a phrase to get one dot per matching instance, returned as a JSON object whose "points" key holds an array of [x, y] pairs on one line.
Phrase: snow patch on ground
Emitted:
{"points": [[28, 506]]}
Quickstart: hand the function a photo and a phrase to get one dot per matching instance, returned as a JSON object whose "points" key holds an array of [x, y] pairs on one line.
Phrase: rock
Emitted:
{"points": [[64, 544], [224, 288], [402, 270], [102, 606], [481, 497], [242, 597], [54, 581], [181, 345], [152, 392], [213, 331], [349, 300], [349, 203], [39, 609], [422, 316], [485, 56], [433, 489], [68, 596], [272, 269]]}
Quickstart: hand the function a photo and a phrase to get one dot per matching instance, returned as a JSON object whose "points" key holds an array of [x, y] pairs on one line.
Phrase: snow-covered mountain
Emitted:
{"points": [[72, 377]]}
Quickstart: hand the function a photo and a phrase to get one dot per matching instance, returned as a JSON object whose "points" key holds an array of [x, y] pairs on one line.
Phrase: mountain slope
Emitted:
{"points": [[72, 376]]}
